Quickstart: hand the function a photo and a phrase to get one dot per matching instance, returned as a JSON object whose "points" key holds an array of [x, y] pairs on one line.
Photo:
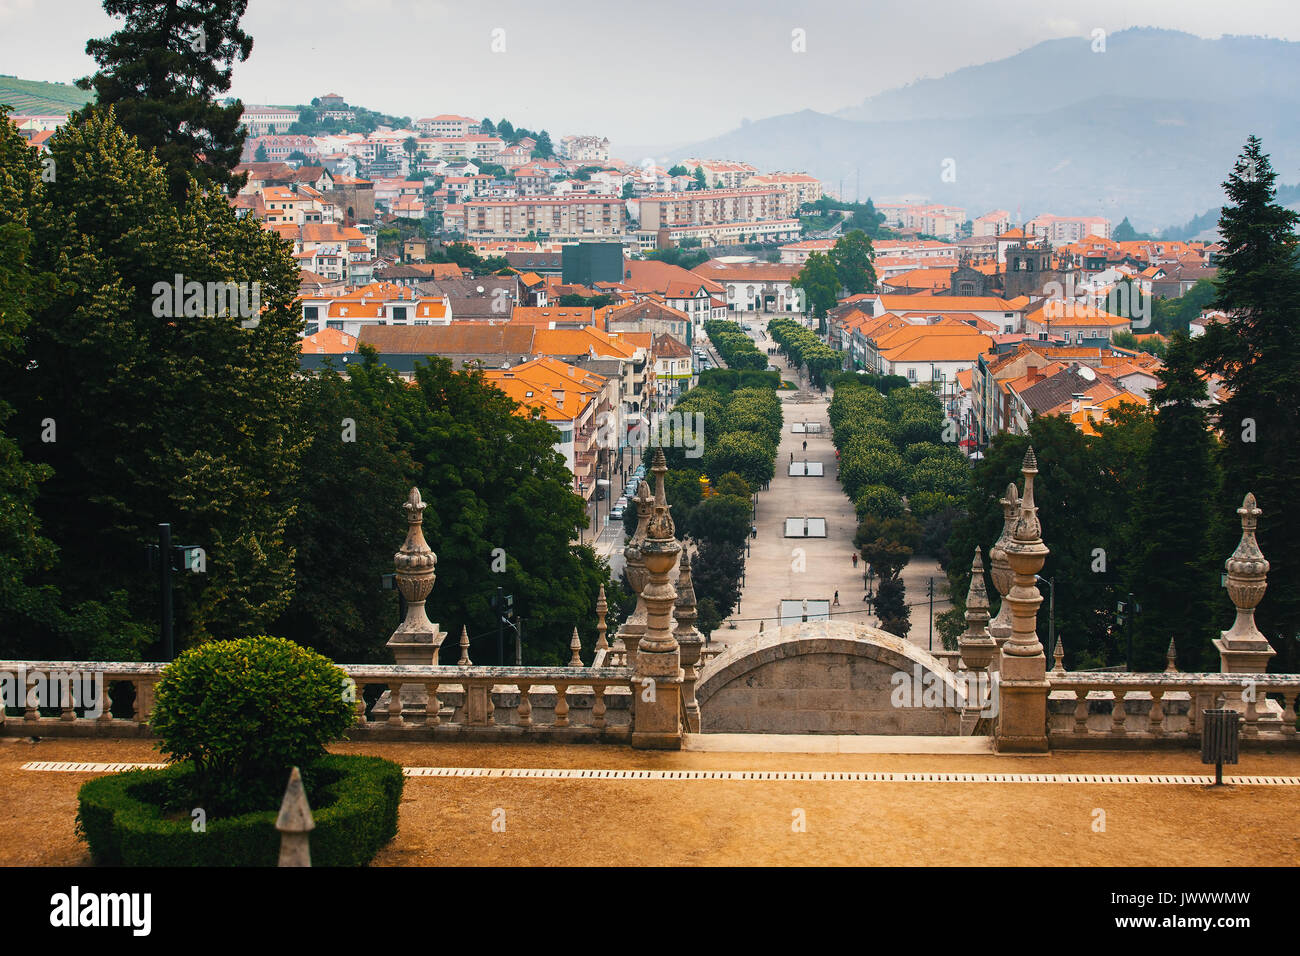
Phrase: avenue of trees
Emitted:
{"points": [[805, 350]]}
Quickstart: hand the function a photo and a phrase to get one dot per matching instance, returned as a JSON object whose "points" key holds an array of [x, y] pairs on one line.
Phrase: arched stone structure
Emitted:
{"points": [[827, 677]]}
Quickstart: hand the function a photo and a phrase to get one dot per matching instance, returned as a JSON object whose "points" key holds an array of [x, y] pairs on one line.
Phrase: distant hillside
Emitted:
{"points": [[1149, 129], [1142, 62], [1206, 225], [35, 96]]}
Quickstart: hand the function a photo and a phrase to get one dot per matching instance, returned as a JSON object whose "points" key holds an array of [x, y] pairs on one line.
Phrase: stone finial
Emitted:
{"points": [[415, 563], [658, 648], [1000, 568], [1058, 657], [1026, 554], [1243, 648], [976, 645], [464, 647], [575, 649], [602, 608], [684, 608], [1171, 658], [632, 629], [294, 823]]}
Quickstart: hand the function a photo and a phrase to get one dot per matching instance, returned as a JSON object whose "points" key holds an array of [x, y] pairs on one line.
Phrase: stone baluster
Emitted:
{"points": [[106, 714], [1081, 712], [602, 608], [432, 705], [598, 707], [689, 640], [1022, 715], [359, 704], [657, 721], [1118, 712], [1156, 722], [67, 700], [562, 705], [575, 650], [417, 639], [1243, 649], [525, 705], [464, 660], [1288, 712], [1000, 569], [395, 704]]}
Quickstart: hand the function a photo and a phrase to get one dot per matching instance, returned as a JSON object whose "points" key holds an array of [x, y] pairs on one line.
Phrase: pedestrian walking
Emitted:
{"points": [[855, 559], [792, 458], [805, 446], [837, 599]]}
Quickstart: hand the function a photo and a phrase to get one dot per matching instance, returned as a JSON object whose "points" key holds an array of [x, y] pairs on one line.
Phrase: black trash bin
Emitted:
{"points": [[1219, 739]]}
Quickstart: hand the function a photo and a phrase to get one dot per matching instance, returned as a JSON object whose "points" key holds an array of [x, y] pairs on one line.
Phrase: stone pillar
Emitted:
{"points": [[1000, 626], [602, 608], [689, 640], [417, 639], [1243, 649], [1022, 712], [977, 647], [634, 627], [656, 721]]}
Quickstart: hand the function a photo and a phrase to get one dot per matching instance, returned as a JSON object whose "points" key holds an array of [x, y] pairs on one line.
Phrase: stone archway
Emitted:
{"points": [[828, 677]]}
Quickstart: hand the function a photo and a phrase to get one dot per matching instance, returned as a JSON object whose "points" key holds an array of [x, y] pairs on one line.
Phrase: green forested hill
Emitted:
{"points": [[35, 96]]}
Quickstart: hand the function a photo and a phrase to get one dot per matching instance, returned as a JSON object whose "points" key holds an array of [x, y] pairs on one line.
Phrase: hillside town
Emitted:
{"points": [[1005, 319]]}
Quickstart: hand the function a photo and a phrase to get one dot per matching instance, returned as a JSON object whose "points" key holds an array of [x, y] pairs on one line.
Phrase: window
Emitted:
{"points": [[911, 375], [310, 312]]}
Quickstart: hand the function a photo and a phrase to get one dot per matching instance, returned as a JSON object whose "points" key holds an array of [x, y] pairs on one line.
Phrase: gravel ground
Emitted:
{"points": [[449, 821]]}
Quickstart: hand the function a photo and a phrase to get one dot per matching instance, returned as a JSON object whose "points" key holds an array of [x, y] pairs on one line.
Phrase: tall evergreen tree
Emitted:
{"points": [[1173, 576], [162, 73], [1257, 352]]}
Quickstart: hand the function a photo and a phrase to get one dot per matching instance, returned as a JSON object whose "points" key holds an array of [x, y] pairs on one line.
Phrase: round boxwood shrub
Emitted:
{"points": [[243, 712], [144, 818]]}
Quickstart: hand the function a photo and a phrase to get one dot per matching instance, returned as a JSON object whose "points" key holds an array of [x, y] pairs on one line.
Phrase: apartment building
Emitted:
{"points": [[931, 219], [449, 125], [570, 217], [1062, 229], [585, 149], [267, 120], [721, 174], [710, 207], [799, 187]]}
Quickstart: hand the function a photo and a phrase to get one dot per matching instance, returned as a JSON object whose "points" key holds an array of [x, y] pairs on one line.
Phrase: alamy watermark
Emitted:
{"points": [[179, 298], [923, 688], [53, 689]]}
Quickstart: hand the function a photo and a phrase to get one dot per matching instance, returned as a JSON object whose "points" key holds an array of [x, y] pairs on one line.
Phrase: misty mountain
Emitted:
{"points": [[1149, 130]]}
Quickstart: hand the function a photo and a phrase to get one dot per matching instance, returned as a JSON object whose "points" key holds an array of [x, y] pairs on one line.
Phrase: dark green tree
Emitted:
{"points": [[1174, 576], [820, 282], [162, 73], [1255, 353], [168, 408], [700, 181], [854, 262]]}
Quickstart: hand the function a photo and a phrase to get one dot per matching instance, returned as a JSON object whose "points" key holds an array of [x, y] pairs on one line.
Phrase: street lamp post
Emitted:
{"points": [[1051, 613]]}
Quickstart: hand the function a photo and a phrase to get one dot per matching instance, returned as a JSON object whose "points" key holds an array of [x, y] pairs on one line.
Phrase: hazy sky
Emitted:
{"points": [[667, 72]]}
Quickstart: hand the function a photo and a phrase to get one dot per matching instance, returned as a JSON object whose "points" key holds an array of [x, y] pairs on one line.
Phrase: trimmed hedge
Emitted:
{"points": [[124, 817]]}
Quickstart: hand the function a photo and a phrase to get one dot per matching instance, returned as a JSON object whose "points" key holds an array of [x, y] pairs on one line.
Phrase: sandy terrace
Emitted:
{"points": [[449, 821]]}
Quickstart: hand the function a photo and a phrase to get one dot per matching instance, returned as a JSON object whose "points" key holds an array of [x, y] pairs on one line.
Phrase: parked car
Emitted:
{"points": [[616, 512]]}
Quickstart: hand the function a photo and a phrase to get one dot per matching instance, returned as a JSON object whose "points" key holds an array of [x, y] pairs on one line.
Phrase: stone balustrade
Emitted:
{"points": [[560, 703], [1090, 710]]}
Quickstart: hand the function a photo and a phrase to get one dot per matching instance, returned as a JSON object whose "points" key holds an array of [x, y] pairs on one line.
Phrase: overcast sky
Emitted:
{"points": [[667, 72]]}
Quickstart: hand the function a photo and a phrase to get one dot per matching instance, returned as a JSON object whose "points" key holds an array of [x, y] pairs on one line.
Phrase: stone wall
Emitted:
{"points": [[822, 678]]}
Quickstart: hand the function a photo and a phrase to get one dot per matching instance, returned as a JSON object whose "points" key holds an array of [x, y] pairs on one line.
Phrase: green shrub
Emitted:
{"points": [[243, 712], [143, 818]]}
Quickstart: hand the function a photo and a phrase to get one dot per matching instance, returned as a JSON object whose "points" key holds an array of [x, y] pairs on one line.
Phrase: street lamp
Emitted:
{"points": [[1051, 613]]}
